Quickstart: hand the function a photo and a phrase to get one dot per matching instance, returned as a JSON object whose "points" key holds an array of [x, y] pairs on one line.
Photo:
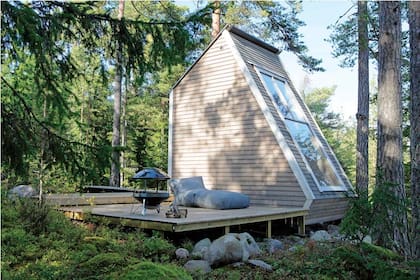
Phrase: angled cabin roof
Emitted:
{"points": [[259, 58], [260, 64]]}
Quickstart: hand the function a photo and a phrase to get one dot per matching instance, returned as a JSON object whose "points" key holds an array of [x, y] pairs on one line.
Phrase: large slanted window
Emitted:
{"points": [[299, 128]]}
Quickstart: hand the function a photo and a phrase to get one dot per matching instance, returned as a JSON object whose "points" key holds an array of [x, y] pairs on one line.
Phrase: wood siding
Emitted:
{"points": [[325, 210], [255, 55], [220, 133]]}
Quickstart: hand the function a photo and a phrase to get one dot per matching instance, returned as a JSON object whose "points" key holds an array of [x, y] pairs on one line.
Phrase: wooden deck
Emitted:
{"points": [[197, 218]]}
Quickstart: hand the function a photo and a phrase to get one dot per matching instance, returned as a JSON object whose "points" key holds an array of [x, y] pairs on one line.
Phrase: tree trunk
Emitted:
{"points": [[44, 147], [215, 19], [124, 127], [362, 158], [389, 164], [114, 179], [414, 21]]}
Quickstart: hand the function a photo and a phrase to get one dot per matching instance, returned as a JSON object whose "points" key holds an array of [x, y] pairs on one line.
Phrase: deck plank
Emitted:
{"points": [[197, 218]]}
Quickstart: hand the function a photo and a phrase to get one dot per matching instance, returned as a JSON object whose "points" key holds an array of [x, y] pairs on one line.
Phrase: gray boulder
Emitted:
{"points": [[231, 248], [261, 264], [182, 253], [273, 245], [199, 266], [320, 235], [22, 191], [201, 248], [367, 239], [333, 229], [250, 248], [225, 250]]}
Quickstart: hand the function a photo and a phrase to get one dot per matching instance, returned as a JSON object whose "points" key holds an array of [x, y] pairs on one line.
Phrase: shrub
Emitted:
{"points": [[150, 270], [372, 262], [101, 264], [157, 248]]}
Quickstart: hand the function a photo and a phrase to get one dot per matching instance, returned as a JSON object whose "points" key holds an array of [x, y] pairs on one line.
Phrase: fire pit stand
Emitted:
{"points": [[150, 199]]}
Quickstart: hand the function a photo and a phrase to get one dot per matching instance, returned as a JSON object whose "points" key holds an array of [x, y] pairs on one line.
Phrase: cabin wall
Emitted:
{"points": [[220, 133], [327, 210], [255, 55]]}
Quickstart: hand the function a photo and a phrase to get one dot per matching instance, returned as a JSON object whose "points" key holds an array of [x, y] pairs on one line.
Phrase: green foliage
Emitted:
{"points": [[56, 60], [150, 270], [375, 216], [101, 264], [359, 218], [157, 248], [276, 22], [344, 41], [61, 250], [67, 251], [373, 262], [388, 207]]}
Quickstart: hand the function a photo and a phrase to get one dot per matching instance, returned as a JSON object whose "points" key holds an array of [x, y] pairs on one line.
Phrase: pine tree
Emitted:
{"points": [[38, 62], [215, 19], [390, 173], [362, 116], [114, 179], [414, 21]]}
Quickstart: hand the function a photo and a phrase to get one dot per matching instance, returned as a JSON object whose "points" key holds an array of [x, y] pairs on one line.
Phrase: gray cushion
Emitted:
{"points": [[191, 192]]}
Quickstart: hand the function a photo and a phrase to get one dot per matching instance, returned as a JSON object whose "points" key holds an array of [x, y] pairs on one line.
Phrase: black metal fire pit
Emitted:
{"points": [[150, 199]]}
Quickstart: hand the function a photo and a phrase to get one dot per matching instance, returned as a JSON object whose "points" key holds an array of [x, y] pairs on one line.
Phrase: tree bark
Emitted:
{"points": [[362, 158], [215, 19], [114, 179], [124, 127], [389, 164], [44, 147], [414, 22]]}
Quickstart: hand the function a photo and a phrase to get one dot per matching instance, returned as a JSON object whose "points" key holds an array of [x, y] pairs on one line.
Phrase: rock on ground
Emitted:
{"points": [[273, 245], [250, 248], [22, 191], [225, 250], [320, 235], [201, 248], [232, 247], [182, 253], [197, 266], [261, 264]]}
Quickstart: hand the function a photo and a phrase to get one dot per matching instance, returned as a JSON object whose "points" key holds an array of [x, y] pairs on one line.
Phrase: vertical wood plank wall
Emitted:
{"points": [[220, 133], [323, 210], [257, 56]]}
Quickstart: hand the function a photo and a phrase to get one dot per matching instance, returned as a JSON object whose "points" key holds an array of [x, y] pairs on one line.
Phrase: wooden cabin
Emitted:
{"points": [[237, 120]]}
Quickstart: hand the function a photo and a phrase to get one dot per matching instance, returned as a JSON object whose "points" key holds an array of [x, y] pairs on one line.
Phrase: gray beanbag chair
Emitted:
{"points": [[191, 192]]}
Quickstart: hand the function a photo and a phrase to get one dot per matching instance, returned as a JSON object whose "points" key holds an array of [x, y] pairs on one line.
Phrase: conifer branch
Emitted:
{"points": [[30, 112]]}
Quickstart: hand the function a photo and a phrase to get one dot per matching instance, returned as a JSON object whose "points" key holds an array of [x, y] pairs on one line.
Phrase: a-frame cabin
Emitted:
{"points": [[237, 121]]}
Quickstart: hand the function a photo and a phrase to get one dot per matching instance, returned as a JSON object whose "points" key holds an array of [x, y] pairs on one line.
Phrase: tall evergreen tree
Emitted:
{"points": [[114, 179], [215, 19], [390, 171], [362, 116], [276, 22], [44, 33], [414, 21]]}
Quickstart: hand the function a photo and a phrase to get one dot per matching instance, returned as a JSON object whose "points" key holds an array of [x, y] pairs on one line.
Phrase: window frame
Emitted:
{"points": [[301, 114]]}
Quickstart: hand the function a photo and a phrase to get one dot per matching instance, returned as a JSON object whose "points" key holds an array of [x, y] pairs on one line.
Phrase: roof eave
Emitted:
{"points": [[253, 39]]}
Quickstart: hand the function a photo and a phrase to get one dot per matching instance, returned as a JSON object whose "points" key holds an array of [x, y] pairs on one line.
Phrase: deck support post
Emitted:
{"points": [[269, 224], [227, 229], [301, 225]]}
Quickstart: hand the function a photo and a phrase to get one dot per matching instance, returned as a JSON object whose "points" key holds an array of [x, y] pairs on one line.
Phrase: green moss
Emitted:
{"points": [[380, 252], [149, 270], [102, 264]]}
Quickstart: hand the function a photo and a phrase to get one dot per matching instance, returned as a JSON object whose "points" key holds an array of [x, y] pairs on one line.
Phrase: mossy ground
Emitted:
{"points": [[40, 243]]}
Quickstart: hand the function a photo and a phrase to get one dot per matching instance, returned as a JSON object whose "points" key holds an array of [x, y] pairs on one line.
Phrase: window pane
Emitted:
{"points": [[315, 156], [281, 104], [281, 98]]}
